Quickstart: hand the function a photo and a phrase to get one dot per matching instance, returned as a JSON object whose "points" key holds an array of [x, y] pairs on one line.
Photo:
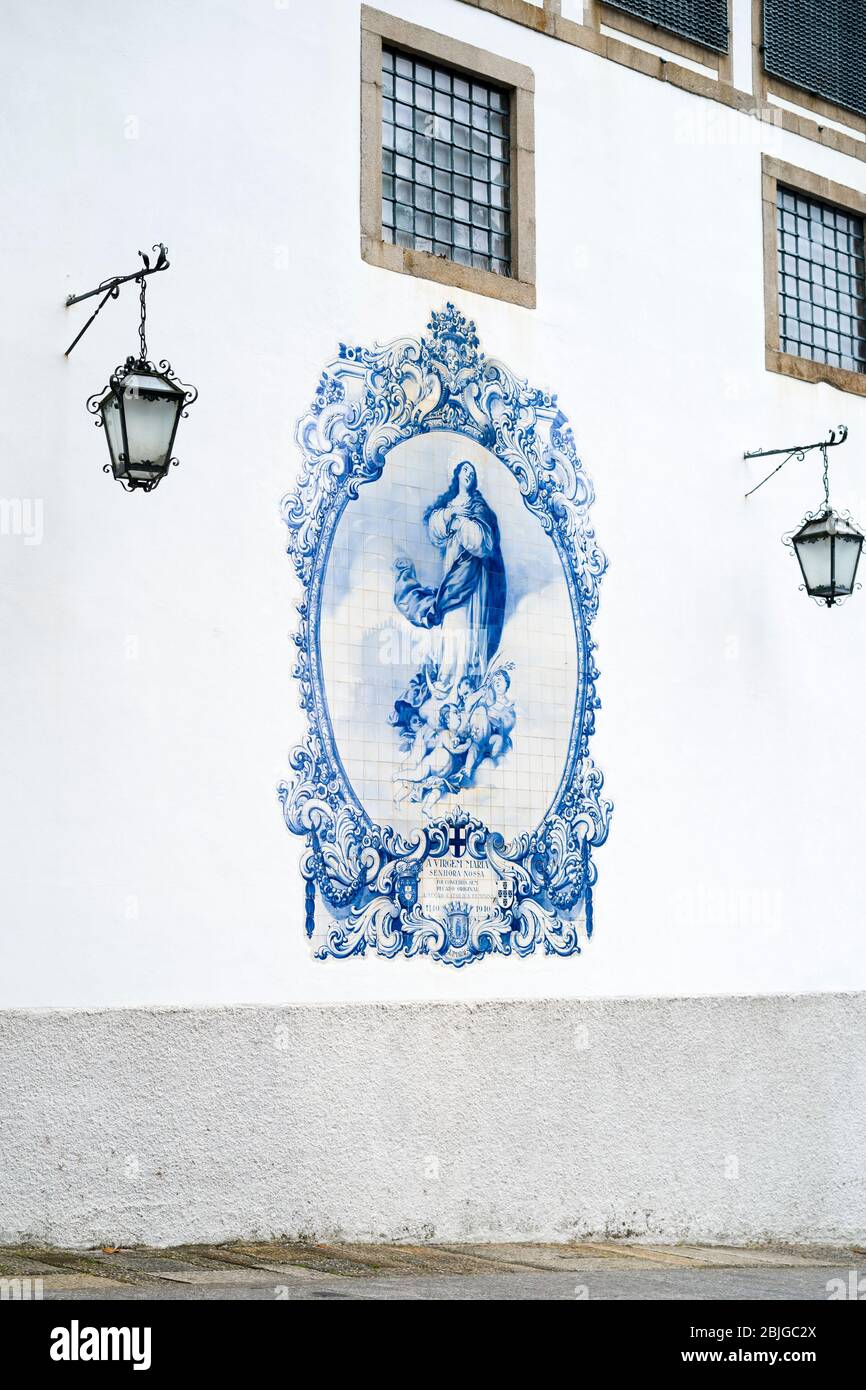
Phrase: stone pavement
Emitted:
{"points": [[293, 1270]]}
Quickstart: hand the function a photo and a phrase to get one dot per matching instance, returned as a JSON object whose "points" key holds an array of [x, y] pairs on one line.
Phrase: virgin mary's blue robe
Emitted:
{"points": [[470, 569]]}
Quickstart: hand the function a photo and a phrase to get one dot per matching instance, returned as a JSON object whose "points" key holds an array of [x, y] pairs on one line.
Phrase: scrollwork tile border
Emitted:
{"points": [[369, 400]]}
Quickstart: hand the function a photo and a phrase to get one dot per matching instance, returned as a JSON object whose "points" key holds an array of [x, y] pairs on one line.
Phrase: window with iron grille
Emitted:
{"points": [[445, 163], [822, 284], [819, 45], [702, 21]]}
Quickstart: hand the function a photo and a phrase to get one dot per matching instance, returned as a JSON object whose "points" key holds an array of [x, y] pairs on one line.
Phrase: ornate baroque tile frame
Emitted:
{"points": [[366, 875]]}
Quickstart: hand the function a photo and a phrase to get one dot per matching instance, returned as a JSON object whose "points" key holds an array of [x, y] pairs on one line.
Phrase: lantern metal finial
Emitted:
{"points": [[142, 405]]}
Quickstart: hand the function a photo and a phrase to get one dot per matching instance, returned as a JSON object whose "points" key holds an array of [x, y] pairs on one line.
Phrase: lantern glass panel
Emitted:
{"points": [[112, 420], [848, 549], [151, 408], [814, 554]]}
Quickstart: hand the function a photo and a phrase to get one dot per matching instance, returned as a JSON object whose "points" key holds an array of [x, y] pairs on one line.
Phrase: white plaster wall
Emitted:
{"points": [[741, 44], [704, 1119], [147, 705]]}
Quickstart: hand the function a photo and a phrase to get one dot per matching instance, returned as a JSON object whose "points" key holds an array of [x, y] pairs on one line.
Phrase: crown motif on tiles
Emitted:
{"points": [[454, 340]]}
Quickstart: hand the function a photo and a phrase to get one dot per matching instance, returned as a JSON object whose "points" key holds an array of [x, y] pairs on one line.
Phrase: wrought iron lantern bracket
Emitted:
{"points": [[797, 451], [110, 288]]}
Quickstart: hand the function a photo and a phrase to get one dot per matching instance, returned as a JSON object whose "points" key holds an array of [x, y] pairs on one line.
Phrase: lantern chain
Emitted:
{"points": [[142, 327], [826, 478]]}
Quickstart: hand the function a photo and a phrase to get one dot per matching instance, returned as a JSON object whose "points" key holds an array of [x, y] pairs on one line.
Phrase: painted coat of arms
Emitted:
{"points": [[440, 530]]}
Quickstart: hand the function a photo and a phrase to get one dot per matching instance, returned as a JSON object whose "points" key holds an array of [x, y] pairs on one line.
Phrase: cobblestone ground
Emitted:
{"points": [[289, 1270]]}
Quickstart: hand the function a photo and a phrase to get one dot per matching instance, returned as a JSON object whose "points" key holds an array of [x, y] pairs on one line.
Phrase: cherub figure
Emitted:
{"points": [[417, 741], [440, 770], [490, 720], [467, 691]]}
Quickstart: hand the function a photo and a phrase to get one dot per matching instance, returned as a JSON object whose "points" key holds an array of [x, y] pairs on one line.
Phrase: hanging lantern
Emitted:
{"points": [[828, 549], [140, 410], [142, 405], [827, 544]]}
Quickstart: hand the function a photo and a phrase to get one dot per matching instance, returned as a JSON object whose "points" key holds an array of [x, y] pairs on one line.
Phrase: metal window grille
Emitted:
{"points": [[819, 45], [445, 163], [703, 21], [822, 285]]}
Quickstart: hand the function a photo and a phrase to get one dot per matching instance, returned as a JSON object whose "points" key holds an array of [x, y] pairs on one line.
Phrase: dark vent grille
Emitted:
{"points": [[703, 21], [819, 45]]}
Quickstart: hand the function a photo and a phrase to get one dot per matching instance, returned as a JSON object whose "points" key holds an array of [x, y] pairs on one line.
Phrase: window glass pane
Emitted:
{"points": [[822, 289], [442, 191]]}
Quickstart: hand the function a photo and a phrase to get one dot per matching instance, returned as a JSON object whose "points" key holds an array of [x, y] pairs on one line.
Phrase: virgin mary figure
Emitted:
{"points": [[466, 611]]}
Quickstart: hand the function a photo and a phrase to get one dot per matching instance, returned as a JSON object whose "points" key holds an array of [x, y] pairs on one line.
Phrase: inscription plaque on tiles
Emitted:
{"points": [[448, 881]]}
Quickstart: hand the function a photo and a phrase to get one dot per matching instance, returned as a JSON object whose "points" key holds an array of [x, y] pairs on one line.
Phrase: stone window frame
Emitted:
{"points": [[767, 85], [547, 19], [596, 13], [378, 28], [811, 185]]}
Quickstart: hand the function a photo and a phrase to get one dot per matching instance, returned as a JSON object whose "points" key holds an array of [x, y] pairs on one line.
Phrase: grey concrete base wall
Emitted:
{"points": [[716, 1119]]}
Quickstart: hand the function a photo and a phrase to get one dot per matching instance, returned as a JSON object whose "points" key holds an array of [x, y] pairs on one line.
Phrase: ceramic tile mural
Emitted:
{"points": [[440, 531]]}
